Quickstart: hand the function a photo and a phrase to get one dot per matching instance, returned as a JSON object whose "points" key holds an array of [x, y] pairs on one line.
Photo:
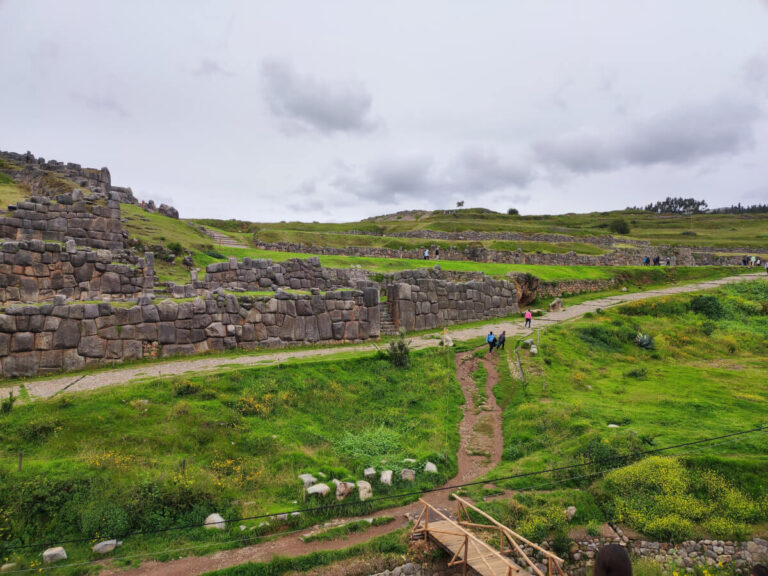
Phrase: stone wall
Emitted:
{"points": [[421, 299], [679, 256], [31, 172], [56, 336], [36, 271], [258, 274], [91, 222]]}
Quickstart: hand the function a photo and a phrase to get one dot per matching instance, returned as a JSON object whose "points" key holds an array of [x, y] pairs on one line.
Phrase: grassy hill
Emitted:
{"points": [[592, 394], [716, 230]]}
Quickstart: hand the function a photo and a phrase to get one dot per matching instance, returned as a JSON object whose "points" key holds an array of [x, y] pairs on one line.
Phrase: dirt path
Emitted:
{"points": [[480, 450], [45, 388]]}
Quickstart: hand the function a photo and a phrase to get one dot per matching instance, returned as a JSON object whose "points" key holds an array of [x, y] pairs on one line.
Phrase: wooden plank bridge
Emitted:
{"points": [[470, 551]]}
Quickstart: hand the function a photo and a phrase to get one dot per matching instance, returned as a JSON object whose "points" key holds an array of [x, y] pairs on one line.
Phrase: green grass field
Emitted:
{"points": [[593, 394], [169, 452], [717, 230]]}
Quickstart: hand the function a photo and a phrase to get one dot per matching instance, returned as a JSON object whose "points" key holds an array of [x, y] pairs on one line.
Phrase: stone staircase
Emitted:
{"points": [[223, 239], [385, 321]]}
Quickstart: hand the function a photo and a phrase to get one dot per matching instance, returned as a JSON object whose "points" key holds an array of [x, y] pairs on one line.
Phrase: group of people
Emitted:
{"points": [[613, 560], [437, 253], [498, 342], [656, 260], [752, 261]]}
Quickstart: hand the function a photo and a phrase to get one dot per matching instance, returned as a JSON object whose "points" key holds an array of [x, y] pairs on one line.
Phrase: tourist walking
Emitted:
{"points": [[502, 340], [437, 252], [426, 253], [528, 318], [490, 340]]}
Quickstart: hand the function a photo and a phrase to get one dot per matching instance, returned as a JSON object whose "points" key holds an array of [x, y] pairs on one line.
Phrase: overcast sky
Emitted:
{"points": [[339, 110]]}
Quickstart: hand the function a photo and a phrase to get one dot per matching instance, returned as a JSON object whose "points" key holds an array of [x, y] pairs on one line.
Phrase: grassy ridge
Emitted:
{"points": [[169, 452], [719, 230], [593, 394]]}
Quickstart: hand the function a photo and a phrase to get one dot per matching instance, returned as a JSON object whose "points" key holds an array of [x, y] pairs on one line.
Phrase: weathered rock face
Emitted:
{"points": [[48, 338], [37, 271], [169, 211], [420, 299]]}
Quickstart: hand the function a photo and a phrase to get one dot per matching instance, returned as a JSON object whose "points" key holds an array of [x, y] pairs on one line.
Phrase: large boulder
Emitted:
{"points": [[408, 475], [556, 305], [215, 522], [386, 477], [318, 489], [56, 554], [344, 489], [105, 547], [364, 490], [169, 211], [430, 467]]}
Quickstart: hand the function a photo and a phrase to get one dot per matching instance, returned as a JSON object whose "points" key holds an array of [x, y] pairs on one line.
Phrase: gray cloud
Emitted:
{"points": [[209, 67], [306, 103], [420, 177], [100, 103], [680, 136]]}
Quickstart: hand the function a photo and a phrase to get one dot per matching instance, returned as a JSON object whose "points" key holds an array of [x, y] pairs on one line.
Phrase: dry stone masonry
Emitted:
{"points": [[37, 271], [57, 336], [421, 299]]}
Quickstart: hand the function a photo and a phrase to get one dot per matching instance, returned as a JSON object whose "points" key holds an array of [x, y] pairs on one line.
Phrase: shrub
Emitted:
{"points": [[214, 254], [185, 388], [593, 528], [644, 341], [104, 519], [38, 430], [638, 373], [176, 248], [605, 336], [7, 405], [619, 226], [708, 327], [399, 352], [513, 212], [708, 305]]}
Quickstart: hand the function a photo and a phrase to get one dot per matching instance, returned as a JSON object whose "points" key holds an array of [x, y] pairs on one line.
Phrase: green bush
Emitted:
{"points": [[214, 254], [619, 226], [638, 373], [185, 388], [399, 352], [708, 327], [104, 520], [176, 248], [7, 405], [708, 305], [606, 336], [644, 341]]}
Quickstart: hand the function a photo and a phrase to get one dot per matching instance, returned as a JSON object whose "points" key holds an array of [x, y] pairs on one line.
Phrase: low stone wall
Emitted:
{"points": [[682, 557], [563, 287], [91, 223], [421, 299], [54, 337], [258, 274], [36, 271]]}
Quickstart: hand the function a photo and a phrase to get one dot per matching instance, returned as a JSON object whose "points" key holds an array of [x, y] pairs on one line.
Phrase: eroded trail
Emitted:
{"points": [[480, 449]]}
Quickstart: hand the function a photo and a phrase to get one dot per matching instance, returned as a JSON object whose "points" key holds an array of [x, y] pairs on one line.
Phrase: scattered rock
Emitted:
{"points": [[364, 490], [446, 341], [386, 477], [408, 475], [556, 305], [320, 489], [9, 567], [308, 479], [613, 425], [409, 460], [344, 489], [430, 467], [106, 546], [527, 343], [570, 512], [242, 527], [369, 472], [215, 522], [534, 350], [54, 555]]}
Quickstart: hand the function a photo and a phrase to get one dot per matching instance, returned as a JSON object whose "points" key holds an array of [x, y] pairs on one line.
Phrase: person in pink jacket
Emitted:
{"points": [[528, 318]]}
